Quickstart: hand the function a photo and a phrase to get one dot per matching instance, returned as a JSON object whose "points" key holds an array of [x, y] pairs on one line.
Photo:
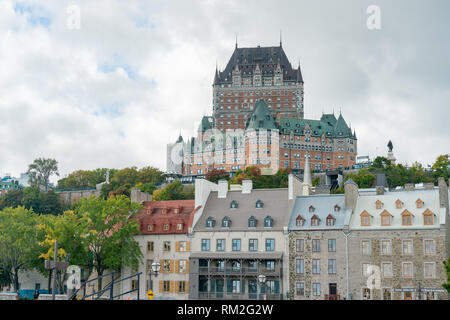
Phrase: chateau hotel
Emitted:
{"points": [[258, 120]]}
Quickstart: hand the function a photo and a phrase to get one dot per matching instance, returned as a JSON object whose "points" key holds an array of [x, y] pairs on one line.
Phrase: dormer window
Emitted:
{"points": [[150, 227], [299, 222], [176, 210], [226, 222], [398, 204], [379, 204], [233, 204], [259, 204], [311, 209], [315, 221], [252, 222], [148, 211], [166, 227], [268, 222], [210, 222], [366, 218], [164, 210], [385, 218], [407, 218], [419, 204], [337, 208], [428, 218], [330, 220]]}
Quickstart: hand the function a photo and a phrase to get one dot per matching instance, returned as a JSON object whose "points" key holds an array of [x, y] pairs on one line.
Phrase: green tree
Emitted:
{"points": [[12, 199], [216, 175], [41, 170], [446, 286], [364, 178], [150, 175], [18, 242], [146, 187], [441, 167], [110, 232], [173, 191], [82, 179]]}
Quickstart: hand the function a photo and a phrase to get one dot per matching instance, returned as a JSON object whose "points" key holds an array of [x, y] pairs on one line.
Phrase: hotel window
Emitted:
{"points": [[225, 222], [366, 294], [179, 226], [386, 247], [220, 245], [331, 245], [253, 245], [365, 269], [205, 244], [406, 218], [150, 227], [182, 286], [428, 218], [419, 203], [150, 246], [331, 266], [300, 266], [300, 288], [299, 222], [268, 222], [365, 247], [236, 245], [235, 266], [166, 246], [316, 245], [235, 286], [300, 245], [365, 218], [166, 286], [407, 269], [429, 247], [166, 266], [270, 244], [252, 266], [314, 221], [270, 265], [252, 222], [407, 247], [182, 266], [379, 204], [386, 269], [209, 222], [330, 220], [385, 218], [429, 270], [398, 204], [316, 266], [316, 289]]}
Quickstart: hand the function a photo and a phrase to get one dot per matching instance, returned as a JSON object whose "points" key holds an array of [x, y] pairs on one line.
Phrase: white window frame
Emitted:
{"points": [[424, 247], [412, 269], [434, 270], [362, 249], [390, 247], [403, 247], [383, 275]]}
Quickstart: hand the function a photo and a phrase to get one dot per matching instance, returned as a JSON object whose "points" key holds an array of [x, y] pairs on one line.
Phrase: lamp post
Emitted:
{"points": [[262, 281], [154, 269]]}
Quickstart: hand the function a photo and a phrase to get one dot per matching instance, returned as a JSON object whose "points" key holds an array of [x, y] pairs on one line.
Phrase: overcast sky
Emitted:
{"points": [[115, 91]]}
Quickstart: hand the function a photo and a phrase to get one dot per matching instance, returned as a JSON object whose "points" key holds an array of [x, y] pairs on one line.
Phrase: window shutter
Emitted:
{"points": [[177, 246], [160, 286], [171, 286], [277, 287], [188, 246], [187, 266], [228, 286], [172, 265], [187, 286], [162, 266], [176, 286], [176, 266], [243, 286]]}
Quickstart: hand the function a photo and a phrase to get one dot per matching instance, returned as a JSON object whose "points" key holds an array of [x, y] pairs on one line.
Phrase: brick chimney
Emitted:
{"points": [[222, 189]]}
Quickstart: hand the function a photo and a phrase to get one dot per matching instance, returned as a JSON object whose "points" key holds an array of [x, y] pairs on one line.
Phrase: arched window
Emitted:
{"points": [[428, 217], [330, 220], [299, 222], [252, 222], [315, 221], [268, 222], [226, 222], [311, 209], [398, 204], [379, 204], [233, 204], [419, 203], [259, 204], [210, 222]]}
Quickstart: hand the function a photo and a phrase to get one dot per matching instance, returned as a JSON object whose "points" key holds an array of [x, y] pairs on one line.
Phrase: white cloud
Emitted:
{"points": [[115, 92]]}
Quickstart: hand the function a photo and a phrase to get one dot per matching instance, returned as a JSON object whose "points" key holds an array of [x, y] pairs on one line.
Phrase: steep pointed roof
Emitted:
{"points": [[261, 117], [267, 57], [341, 128], [206, 124]]}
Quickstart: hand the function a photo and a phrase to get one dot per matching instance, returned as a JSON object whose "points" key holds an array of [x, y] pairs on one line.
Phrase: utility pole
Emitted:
{"points": [[55, 266], [55, 258]]}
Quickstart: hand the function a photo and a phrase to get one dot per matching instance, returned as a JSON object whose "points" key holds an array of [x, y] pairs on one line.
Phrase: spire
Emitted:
{"points": [[216, 76], [236, 41], [307, 174], [281, 42]]}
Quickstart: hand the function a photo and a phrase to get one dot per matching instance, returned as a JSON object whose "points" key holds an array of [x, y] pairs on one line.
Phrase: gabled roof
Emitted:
{"points": [[261, 117]]}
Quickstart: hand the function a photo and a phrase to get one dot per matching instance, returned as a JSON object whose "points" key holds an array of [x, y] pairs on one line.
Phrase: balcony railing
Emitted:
{"points": [[239, 296], [239, 271]]}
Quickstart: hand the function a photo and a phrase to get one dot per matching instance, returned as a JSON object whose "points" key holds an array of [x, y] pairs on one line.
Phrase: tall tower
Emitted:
{"points": [[252, 74]]}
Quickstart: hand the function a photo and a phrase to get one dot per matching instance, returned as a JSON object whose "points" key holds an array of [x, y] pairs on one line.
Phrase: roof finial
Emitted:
{"points": [[236, 40], [280, 39]]}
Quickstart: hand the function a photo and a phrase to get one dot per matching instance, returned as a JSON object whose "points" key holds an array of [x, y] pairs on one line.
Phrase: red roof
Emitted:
{"points": [[175, 215]]}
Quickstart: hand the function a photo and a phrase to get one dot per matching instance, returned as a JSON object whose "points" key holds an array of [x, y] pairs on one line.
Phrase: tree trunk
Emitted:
{"points": [[49, 281], [16, 280], [99, 281]]}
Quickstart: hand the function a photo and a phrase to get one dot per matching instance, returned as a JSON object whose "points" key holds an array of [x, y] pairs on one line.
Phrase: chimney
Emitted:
{"points": [[222, 189], [429, 185], [409, 186], [380, 190], [351, 194], [247, 186], [294, 187], [443, 194]]}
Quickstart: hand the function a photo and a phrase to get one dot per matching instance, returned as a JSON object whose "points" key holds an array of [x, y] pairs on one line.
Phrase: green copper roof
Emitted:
{"points": [[261, 117], [206, 124]]}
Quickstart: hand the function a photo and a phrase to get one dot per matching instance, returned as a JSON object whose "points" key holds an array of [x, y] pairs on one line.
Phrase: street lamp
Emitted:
{"points": [[154, 269], [262, 281]]}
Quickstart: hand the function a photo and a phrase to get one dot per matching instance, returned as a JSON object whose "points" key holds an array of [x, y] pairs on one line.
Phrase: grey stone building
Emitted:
{"points": [[398, 241], [317, 248]]}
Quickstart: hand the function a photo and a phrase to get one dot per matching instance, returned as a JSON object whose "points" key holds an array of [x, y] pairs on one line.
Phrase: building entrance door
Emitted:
{"points": [[332, 289], [407, 295]]}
